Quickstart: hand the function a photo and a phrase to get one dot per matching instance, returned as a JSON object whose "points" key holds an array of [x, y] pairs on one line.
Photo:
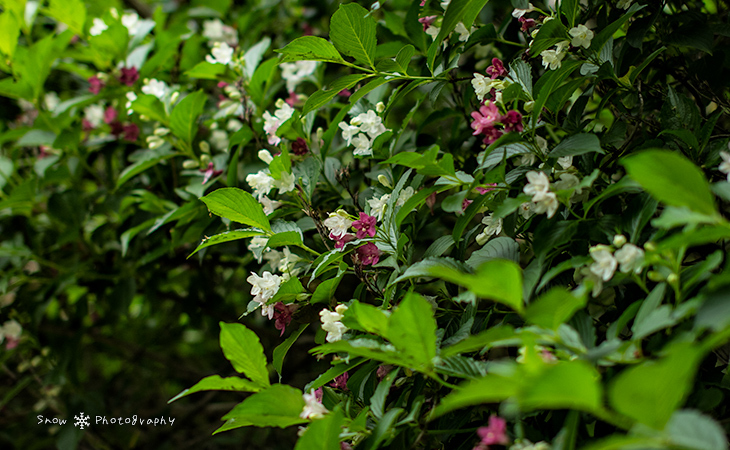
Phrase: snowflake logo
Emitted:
{"points": [[82, 421]]}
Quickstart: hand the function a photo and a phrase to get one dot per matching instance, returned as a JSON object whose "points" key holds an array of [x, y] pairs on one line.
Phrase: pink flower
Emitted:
{"points": [[283, 315], [423, 2], [11, 343], [527, 24], [129, 76], [344, 93], [345, 446], [365, 226], [299, 147], [427, 21], [484, 190], [95, 85], [496, 69], [222, 84], [131, 132], [368, 254], [465, 204], [210, 172], [512, 121], [110, 115], [340, 241], [86, 125], [292, 99], [340, 382], [491, 134], [485, 117], [495, 433], [318, 394]]}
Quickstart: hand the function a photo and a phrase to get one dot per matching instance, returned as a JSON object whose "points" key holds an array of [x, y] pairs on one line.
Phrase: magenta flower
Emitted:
{"points": [[292, 99], [527, 24], [318, 394], [131, 132], [222, 84], [110, 115], [491, 134], [344, 93], [365, 226], [495, 433], [340, 382], [512, 121], [86, 125], [368, 254], [485, 117], [129, 76], [489, 187], [427, 21], [299, 147], [283, 315], [383, 371], [340, 241], [465, 204], [496, 69], [210, 172], [95, 85]]}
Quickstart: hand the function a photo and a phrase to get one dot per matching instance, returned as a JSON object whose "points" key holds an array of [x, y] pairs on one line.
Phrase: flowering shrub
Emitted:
{"points": [[502, 224]]}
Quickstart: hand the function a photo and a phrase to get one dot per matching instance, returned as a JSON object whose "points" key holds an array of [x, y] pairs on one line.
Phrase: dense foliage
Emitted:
{"points": [[459, 224]]}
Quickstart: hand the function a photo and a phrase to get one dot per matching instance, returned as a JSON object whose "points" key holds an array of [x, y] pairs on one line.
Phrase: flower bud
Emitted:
{"points": [[655, 276], [161, 131], [204, 147], [380, 107], [650, 247], [265, 156], [384, 181], [619, 240], [204, 160], [174, 96], [190, 164], [673, 278]]}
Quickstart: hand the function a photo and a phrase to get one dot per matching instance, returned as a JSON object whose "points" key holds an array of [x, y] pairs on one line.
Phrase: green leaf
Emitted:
{"points": [[226, 236], [377, 401], [321, 97], [184, 118], [577, 144], [366, 348], [607, 33], [479, 341], [285, 238], [216, 383], [570, 8], [277, 406], [501, 247], [242, 348], [459, 11], [403, 58], [150, 159], [692, 430], [310, 48], [365, 317], [499, 280], [549, 35], [659, 172], [10, 24], [206, 71], [412, 330], [323, 434], [238, 206], [333, 372], [277, 359], [353, 33], [70, 12], [150, 106], [555, 307], [651, 391], [549, 82]]}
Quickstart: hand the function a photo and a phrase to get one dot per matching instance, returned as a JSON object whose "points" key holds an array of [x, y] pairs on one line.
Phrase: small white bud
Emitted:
{"points": [[384, 181], [265, 156], [619, 240], [380, 107], [204, 147]]}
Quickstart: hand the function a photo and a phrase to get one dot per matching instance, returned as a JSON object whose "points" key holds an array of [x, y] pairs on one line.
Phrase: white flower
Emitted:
{"points": [[369, 123], [481, 85], [565, 162], [221, 52], [445, 4], [464, 33], [605, 264], [433, 31], [155, 87], [631, 258], [404, 195], [526, 210], [131, 97], [257, 246], [94, 114], [98, 26], [725, 165], [567, 181], [582, 36], [265, 156], [552, 59], [272, 123], [263, 288], [517, 13], [338, 222], [294, 73], [546, 202], [331, 323], [131, 22], [493, 227], [286, 183], [11, 329], [261, 182], [269, 205], [348, 132], [213, 30], [624, 4], [378, 205], [51, 100], [274, 257], [288, 262], [537, 186], [313, 409], [362, 145]]}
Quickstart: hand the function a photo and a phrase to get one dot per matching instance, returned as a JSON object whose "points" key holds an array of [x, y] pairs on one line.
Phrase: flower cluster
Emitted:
{"points": [[605, 262], [543, 200], [272, 123], [264, 288], [493, 434], [488, 117], [331, 323], [362, 130]]}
